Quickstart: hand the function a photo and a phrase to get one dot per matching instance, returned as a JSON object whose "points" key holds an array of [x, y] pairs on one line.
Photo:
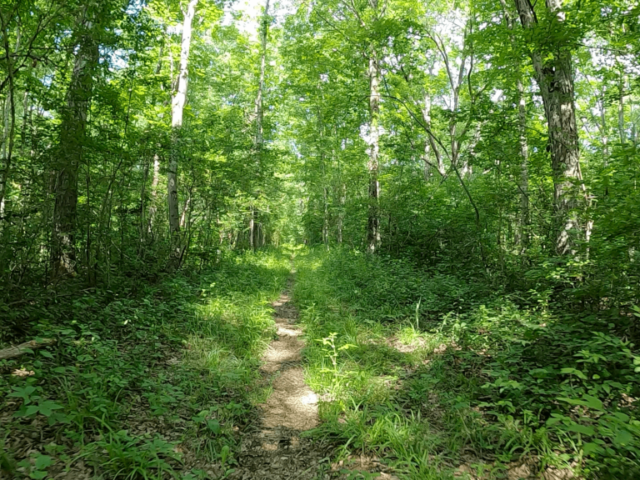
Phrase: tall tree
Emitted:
{"points": [[72, 141], [373, 230], [553, 70], [177, 110], [259, 109]]}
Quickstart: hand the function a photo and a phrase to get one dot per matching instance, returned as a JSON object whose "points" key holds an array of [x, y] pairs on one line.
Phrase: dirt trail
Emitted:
{"points": [[274, 448]]}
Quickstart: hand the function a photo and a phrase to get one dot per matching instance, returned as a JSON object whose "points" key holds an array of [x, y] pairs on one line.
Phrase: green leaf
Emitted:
{"points": [[624, 437], [555, 419], [573, 371], [46, 354], [214, 426], [583, 429], [47, 407], [593, 402], [23, 393], [590, 448], [43, 461], [32, 410]]}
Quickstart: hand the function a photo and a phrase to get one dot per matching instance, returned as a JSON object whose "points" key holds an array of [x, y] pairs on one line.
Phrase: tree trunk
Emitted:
{"points": [[7, 147], [325, 223], [27, 347], [430, 144], [373, 230], [153, 204], [621, 108], [340, 221], [72, 140], [553, 72], [264, 31], [252, 226], [177, 108], [524, 168], [9, 120], [259, 115], [523, 231]]}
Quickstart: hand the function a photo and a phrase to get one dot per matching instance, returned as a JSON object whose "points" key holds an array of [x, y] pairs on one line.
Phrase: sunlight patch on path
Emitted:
{"points": [[292, 404], [275, 449]]}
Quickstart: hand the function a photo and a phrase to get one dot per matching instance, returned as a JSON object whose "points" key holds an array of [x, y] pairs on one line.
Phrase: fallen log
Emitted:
{"points": [[18, 350]]}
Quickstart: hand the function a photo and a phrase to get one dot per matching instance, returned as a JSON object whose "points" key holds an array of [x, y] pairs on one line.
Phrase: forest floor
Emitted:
{"points": [[352, 367], [200, 376], [274, 446]]}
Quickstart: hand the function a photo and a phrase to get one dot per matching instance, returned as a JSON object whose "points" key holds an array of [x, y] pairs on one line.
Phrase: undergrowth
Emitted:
{"points": [[151, 382], [442, 376]]}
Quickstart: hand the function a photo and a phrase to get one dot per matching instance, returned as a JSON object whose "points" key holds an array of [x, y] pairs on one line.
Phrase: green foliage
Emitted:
{"points": [[145, 384], [439, 365], [467, 341]]}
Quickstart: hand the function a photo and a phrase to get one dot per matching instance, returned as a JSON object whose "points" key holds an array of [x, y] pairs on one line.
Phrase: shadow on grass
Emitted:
{"points": [[149, 385], [490, 389]]}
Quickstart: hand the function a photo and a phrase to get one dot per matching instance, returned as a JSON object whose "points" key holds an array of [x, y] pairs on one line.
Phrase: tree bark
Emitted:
{"points": [[373, 228], [264, 31], [524, 167], [177, 109], [430, 144], [26, 347], [553, 71], [523, 230], [340, 220], [9, 117], [621, 108], [153, 204], [72, 141]]}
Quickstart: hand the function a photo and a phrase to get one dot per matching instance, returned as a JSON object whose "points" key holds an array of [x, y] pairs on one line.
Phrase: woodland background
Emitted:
{"points": [[468, 166]]}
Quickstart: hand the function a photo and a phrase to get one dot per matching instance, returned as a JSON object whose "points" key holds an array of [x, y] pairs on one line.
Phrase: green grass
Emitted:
{"points": [[433, 373], [152, 384], [436, 375]]}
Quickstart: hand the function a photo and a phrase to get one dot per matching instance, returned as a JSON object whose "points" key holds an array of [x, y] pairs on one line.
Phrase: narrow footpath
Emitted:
{"points": [[274, 448]]}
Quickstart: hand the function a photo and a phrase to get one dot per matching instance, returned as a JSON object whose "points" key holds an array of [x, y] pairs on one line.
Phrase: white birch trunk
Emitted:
{"points": [[373, 230], [263, 59], [177, 110]]}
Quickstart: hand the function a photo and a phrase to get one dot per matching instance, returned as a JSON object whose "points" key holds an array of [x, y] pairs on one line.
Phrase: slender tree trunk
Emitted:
{"points": [[7, 148], [430, 145], [373, 230], [325, 223], [524, 168], [523, 231], [72, 140], [26, 112], [9, 119], [264, 32], [259, 115], [143, 206], [554, 74], [185, 210], [340, 221], [603, 127], [153, 204], [621, 82], [177, 109], [252, 226]]}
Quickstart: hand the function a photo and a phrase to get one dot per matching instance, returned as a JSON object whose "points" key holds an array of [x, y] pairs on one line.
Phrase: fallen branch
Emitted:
{"points": [[25, 347]]}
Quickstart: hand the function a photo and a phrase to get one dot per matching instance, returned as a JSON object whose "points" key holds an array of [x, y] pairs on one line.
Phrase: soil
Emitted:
{"points": [[275, 448]]}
